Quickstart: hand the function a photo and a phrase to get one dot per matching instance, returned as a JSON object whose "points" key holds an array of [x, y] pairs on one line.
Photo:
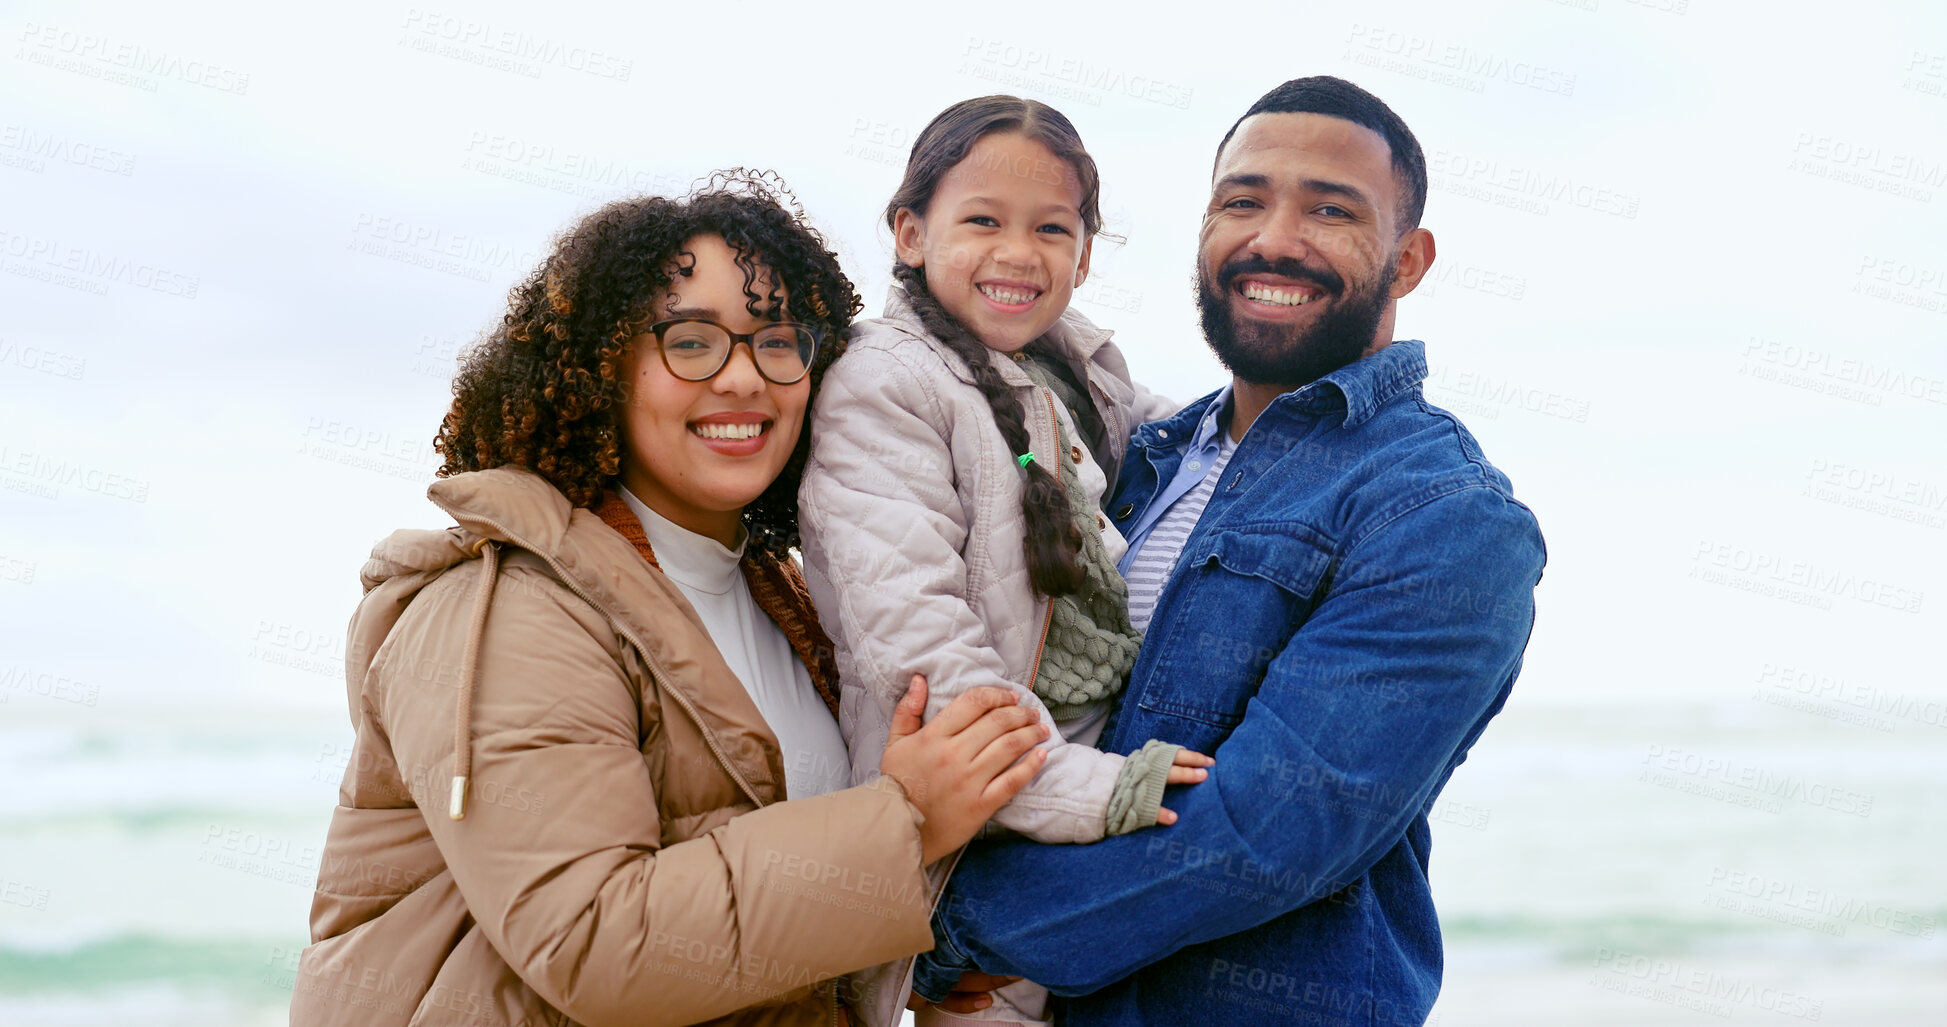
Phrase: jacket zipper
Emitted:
{"points": [[1047, 621], [656, 672]]}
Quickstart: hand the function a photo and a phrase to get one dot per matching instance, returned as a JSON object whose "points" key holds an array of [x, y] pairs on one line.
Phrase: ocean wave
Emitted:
{"points": [[247, 969]]}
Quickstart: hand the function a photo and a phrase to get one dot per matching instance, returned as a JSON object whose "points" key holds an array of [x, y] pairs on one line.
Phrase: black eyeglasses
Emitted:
{"points": [[695, 350]]}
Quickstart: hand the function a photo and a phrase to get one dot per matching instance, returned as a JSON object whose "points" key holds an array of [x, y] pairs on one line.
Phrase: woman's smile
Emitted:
{"points": [[733, 434]]}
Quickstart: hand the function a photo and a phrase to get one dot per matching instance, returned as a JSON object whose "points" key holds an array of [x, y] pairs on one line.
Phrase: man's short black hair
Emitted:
{"points": [[1337, 98]]}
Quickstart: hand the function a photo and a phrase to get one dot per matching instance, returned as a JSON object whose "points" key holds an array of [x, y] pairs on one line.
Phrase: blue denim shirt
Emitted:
{"points": [[1194, 459], [1348, 614]]}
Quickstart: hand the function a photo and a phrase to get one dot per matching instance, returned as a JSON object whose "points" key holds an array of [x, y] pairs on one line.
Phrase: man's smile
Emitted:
{"points": [[1277, 293]]}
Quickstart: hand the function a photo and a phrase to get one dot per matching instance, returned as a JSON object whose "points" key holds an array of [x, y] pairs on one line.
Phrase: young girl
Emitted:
{"points": [[961, 450]]}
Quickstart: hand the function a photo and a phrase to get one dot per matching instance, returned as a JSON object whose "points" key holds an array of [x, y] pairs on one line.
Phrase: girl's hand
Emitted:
{"points": [[968, 996], [1186, 769], [964, 764]]}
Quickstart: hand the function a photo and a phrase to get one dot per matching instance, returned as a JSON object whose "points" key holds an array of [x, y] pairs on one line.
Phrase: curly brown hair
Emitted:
{"points": [[543, 390]]}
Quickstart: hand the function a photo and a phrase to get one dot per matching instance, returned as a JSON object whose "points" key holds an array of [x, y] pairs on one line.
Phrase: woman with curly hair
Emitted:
{"points": [[597, 776]]}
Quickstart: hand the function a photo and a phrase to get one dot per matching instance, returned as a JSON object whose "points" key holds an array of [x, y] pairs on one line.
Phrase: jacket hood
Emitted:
{"points": [[507, 506], [499, 505]]}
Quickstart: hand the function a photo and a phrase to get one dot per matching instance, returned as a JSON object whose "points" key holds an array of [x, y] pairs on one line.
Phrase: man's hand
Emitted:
{"points": [[961, 766], [968, 995]]}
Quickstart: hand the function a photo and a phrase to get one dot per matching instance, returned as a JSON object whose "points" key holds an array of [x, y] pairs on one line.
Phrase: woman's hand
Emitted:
{"points": [[1186, 769], [961, 766]]}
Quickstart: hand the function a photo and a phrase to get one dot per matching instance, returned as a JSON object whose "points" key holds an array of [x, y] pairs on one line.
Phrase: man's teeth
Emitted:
{"points": [[1011, 297], [1281, 297], [728, 431]]}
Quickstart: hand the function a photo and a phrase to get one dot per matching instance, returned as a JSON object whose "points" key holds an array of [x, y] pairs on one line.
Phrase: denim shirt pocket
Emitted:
{"points": [[1248, 592]]}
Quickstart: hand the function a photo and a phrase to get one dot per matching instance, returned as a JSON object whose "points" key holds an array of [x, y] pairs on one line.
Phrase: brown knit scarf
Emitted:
{"points": [[776, 585]]}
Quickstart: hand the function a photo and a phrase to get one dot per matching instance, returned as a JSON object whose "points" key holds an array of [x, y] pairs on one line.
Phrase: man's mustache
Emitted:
{"points": [[1325, 278]]}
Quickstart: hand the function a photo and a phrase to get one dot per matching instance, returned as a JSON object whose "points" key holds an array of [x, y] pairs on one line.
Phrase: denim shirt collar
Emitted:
{"points": [[1361, 387], [1194, 421]]}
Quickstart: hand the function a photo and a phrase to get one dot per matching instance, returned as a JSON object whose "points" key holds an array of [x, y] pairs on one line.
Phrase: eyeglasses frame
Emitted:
{"points": [[747, 338]]}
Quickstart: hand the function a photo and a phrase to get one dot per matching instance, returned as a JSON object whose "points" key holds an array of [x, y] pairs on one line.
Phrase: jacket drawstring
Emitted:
{"points": [[469, 672]]}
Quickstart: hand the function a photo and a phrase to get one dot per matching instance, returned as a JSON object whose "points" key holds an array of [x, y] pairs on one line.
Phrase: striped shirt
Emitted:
{"points": [[1149, 567]]}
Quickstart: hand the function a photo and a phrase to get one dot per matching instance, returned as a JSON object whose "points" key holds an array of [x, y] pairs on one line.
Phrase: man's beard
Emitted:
{"points": [[1267, 353]]}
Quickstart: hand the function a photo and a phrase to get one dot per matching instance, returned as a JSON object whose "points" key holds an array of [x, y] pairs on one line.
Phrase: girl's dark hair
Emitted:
{"points": [[1054, 542], [544, 389]]}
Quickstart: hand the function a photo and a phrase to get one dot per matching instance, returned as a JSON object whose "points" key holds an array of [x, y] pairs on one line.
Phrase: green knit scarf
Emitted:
{"points": [[1091, 645]]}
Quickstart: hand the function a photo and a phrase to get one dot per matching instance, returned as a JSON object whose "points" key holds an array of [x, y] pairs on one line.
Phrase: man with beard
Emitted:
{"points": [[1336, 589]]}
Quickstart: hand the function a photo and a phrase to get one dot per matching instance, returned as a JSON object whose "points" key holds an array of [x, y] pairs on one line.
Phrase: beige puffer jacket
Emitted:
{"points": [[913, 536], [625, 855]]}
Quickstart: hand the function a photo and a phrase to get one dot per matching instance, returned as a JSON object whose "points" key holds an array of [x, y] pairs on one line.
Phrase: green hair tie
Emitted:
{"points": [[1024, 459]]}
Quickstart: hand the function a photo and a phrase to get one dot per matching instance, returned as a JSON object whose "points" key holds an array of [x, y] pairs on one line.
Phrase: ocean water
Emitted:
{"points": [[1744, 861]]}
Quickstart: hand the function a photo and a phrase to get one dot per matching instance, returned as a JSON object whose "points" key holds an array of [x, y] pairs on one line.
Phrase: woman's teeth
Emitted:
{"points": [[1280, 297], [1010, 297], [728, 431]]}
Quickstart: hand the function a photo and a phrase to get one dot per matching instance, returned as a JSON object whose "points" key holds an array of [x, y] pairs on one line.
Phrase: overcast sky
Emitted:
{"points": [[1690, 295]]}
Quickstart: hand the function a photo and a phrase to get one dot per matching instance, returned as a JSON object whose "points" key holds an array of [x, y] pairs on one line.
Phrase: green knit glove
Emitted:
{"points": [[1138, 794]]}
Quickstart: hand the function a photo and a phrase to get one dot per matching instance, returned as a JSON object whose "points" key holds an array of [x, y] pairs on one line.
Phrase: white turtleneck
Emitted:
{"points": [[755, 648]]}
